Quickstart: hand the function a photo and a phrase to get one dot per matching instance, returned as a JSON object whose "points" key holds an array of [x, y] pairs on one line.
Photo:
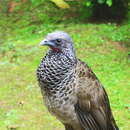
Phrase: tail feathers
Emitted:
{"points": [[113, 126]]}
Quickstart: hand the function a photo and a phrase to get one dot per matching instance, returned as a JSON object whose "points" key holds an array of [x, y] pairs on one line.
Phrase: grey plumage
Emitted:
{"points": [[70, 89]]}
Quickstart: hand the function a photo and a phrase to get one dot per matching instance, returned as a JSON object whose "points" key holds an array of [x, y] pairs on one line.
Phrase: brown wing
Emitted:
{"points": [[92, 108]]}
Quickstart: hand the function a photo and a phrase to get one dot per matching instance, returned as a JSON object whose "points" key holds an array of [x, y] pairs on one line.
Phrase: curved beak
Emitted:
{"points": [[46, 42]]}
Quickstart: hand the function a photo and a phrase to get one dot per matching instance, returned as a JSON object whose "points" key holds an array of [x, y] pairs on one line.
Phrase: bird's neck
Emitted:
{"points": [[55, 69]]}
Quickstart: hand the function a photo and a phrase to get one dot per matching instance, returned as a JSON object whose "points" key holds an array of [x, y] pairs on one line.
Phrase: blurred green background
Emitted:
{"points": [[101, 32]]}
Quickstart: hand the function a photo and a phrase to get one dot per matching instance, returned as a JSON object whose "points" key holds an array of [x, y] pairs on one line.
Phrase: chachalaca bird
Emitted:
{"points": [[70, 89]]}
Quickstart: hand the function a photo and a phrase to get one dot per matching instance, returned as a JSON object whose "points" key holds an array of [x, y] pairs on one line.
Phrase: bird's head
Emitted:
{"points": [[59, 42]]}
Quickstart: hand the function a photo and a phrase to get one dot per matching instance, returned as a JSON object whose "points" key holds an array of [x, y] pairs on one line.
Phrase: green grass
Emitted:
{"points": [[103, 46]]}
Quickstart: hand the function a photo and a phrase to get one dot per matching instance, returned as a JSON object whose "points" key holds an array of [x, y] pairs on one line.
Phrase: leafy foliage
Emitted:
{"points": [[90, 2], [104, 8], [37, 2]]}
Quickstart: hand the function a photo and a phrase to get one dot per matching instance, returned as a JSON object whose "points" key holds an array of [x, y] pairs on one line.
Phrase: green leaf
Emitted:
{"points": [[36, 2], [101, 1], [109, 2], [88, 3]]}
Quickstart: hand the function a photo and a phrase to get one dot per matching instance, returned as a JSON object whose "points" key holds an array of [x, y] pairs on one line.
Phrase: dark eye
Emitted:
{"points": [[58, 40]]}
